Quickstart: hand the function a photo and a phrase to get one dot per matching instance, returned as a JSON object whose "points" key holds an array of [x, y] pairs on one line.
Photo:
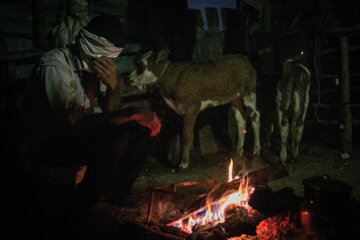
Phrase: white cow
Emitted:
{"points": [[292, 97]]}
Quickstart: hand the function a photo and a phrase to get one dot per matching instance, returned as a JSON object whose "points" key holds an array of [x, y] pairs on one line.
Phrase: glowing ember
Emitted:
{"points": [[214, 212]]}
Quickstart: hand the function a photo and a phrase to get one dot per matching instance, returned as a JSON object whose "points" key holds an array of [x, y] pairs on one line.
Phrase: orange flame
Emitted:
{"points": [[214, 212], [230, 171]]}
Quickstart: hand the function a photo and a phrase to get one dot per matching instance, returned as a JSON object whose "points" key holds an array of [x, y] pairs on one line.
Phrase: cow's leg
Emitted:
{"points": [[188, 134], [237, 107], [282, 105], [250, 103], [301, 102]]}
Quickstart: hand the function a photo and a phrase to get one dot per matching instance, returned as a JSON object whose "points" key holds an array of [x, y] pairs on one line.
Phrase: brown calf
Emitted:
{"points": [[189, 88]]}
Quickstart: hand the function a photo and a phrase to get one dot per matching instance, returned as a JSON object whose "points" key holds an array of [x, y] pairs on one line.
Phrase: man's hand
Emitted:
{"points": [[141, 116], [106, 68], [148, 119]]}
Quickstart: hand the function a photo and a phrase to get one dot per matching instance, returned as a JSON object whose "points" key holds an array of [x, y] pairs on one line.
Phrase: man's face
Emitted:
{"points": [[89, 61], [104, 62]]}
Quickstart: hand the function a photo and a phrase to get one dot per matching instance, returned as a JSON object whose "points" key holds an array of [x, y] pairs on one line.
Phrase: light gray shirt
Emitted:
{"points": [[61, 72]]}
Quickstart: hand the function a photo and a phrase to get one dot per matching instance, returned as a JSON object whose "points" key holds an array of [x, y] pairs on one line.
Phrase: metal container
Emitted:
{"points": [[326, 203], [326, 193]]}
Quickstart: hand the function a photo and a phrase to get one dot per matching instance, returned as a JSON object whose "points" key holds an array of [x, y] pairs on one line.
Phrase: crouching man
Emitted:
{"points": [[106, 148]]}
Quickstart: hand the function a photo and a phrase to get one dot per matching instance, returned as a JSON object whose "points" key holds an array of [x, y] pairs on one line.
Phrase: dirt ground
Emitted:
{"points": [[319, 155]]}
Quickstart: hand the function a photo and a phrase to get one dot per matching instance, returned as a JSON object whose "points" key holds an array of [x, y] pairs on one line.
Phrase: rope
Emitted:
{"points": [[317, 78]]}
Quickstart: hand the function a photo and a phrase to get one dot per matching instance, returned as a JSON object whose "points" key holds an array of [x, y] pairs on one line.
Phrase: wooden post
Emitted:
{"points": [[347, 137], [267, 15], [38, 24]]}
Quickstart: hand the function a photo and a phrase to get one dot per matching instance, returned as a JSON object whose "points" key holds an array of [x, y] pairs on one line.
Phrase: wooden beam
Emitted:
{"points": [[334, 50], [328, 76], [331, 106], [334, 90], [38, 24], [335, 76], [17, 35], [342, 31], [347, 136], [335, 122], [20, 56], [323, 105]]}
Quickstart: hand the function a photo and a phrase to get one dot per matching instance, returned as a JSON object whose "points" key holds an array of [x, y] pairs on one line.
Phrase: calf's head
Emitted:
{"points": [[149, 69]]}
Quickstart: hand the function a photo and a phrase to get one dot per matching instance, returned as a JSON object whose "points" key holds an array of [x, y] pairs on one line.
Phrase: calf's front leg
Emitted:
{"points": [[187, 137], [237, 106], [250, 103]]}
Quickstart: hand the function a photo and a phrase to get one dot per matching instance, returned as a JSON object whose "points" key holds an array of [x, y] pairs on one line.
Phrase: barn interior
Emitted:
{"points": [[316, 197]]}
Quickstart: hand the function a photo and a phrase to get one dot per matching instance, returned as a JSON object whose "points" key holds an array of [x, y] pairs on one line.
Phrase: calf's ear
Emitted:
{"points": [[162, 55]]}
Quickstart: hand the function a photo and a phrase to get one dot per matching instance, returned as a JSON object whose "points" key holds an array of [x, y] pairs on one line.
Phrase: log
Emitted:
{"points": [[347, 137], [148, 218], [268, 174], [162, 233], [258, 178], [209, 183]]}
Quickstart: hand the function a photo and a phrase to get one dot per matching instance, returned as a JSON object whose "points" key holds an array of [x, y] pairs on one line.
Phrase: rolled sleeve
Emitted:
{"points": [[63, 91]]}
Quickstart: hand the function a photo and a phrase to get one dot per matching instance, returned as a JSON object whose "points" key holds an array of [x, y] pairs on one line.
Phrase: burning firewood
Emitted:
{"points": [[213, 233], [241, 221], [238, 220]]}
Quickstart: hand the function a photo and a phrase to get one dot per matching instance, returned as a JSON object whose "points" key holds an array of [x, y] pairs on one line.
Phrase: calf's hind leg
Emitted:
{"points": [[301, 103], [242, 108], [282, 105]]}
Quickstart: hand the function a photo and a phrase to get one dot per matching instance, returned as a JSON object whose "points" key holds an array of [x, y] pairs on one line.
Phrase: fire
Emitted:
{"points": [[230, 171], [214, 212]]}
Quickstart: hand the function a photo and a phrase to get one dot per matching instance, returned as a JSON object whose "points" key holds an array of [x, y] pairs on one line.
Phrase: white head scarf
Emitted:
{"points": [[97, 46]]}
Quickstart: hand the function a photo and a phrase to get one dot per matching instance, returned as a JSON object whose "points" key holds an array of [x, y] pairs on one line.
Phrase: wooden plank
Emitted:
{"points": [[20, 56], [332, 106], [323, 105], [17, 35], [342, 31], [335, 90], [347, 136], [336, 76], [336, 122], [39, 38], [334, 50]]}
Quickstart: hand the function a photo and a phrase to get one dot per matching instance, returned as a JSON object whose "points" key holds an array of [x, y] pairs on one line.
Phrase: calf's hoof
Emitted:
{"points": [[183, 165]]}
